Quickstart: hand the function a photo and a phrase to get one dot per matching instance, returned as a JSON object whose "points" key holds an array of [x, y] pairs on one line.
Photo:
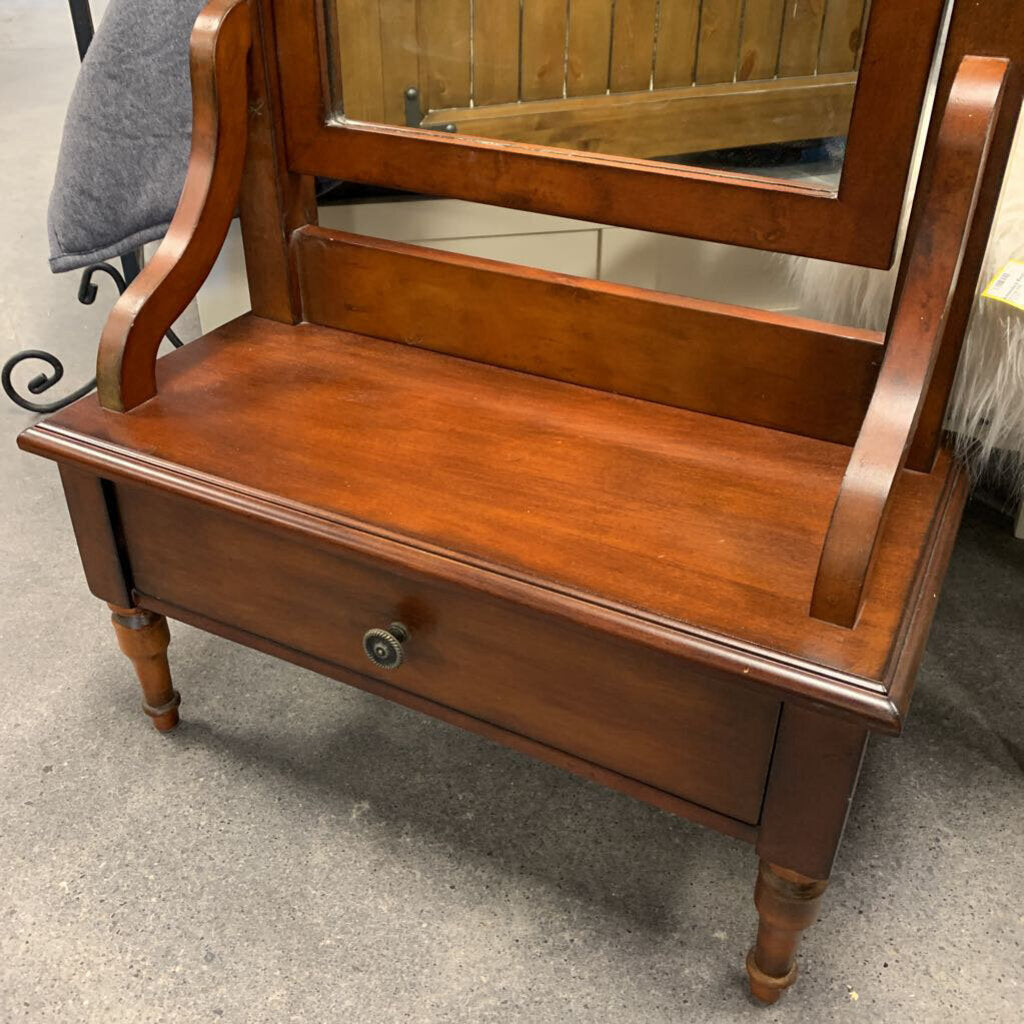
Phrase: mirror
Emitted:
{"points": [[760, 86]]}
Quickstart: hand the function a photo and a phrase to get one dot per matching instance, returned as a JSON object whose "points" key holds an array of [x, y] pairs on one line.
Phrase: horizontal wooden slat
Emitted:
{"points": [[709, 357], [666, 122]]}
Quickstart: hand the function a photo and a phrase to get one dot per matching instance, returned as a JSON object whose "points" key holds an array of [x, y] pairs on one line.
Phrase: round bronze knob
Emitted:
{"points": [[384, 646]]}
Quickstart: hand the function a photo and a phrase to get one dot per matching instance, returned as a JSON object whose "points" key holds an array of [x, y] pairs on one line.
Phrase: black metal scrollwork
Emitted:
{"points": [[81, 17], [42, 382]]}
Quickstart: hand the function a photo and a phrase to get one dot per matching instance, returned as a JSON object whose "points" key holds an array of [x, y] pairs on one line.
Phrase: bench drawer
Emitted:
{"points": [[626, 708]]}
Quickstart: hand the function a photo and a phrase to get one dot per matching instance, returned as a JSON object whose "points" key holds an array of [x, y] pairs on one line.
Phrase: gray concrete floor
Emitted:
{"points": [[299, 851]]}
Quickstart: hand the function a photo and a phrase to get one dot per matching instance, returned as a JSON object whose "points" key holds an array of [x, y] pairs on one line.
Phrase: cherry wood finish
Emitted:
{"points": [[705, 356], [814, 775], [927, 587], [273, 200], [859, 224], [143, 636], [552, 682], [553, 492], [516, 741], [607, 554], [90, 503], [933, 261], [157, 297], [787, 903]]}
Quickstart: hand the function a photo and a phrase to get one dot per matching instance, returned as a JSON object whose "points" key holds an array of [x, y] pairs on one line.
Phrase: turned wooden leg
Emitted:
{"points": [[787, 903], [144, 637]]}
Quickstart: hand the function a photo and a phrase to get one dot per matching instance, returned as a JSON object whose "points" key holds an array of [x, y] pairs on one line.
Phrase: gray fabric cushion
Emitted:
{"points": [[126, 136]]}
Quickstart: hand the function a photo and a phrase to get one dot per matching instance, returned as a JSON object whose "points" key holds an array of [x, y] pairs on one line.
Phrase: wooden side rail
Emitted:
{"points": [[126, 371], [932, 261]]}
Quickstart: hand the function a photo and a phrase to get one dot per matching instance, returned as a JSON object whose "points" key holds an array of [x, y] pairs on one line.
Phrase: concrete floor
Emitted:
{"points": [[299, 851]]}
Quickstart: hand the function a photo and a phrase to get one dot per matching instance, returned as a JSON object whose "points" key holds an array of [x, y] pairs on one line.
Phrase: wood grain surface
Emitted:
{"points": [[750, 365], [933, 257], [156, 298], [537, 479], [636, 712]]}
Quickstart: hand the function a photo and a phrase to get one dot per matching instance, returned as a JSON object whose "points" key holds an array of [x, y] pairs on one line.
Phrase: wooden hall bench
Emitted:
{"points": [[690, 551]]}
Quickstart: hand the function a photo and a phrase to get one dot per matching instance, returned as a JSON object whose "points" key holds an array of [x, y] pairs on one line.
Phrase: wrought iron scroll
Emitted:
{"points": [[42, 382], [81, 19]]}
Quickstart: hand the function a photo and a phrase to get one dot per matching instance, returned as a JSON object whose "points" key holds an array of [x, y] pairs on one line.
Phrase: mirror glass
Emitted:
{"points": [[759, 86]]}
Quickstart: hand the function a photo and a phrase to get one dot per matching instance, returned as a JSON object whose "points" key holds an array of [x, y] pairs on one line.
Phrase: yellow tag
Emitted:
{"points": [[1008, 285]]}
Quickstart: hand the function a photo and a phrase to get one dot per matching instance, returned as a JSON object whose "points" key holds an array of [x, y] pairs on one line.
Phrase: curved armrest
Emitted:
{"points": [[932, 268], [126, 369]]}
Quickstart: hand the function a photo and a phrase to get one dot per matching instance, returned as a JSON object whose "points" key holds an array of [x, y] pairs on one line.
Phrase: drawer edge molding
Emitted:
{"points": [[665, 801], [856, 697]]}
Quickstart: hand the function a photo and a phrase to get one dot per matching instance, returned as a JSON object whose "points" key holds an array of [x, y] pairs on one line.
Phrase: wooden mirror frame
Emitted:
{"points": [[858, 224]]}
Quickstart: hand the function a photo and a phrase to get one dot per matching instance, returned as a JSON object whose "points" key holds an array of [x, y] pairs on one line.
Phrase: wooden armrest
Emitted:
{"points": [[126, 370], [932, 268]]}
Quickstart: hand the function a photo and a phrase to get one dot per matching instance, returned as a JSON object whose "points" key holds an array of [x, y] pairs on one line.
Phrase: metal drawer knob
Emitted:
{"points": [[384, 646]]}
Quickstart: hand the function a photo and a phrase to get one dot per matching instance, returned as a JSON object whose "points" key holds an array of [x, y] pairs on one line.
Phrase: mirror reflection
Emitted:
{"points": [[764, 86]]}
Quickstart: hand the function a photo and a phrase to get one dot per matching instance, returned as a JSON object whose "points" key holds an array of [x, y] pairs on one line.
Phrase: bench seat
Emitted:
{"points": [[694, 534]]}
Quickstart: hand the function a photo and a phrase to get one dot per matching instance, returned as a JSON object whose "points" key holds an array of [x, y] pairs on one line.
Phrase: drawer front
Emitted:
{"points": [[635, 711]]}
